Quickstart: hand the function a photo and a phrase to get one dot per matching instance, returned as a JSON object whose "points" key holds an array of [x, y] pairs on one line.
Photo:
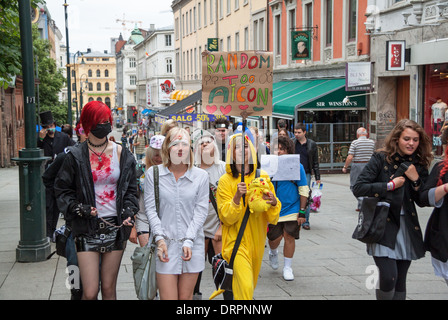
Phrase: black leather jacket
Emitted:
{"points": [[372, 182], [313, 157], [74, 185]]}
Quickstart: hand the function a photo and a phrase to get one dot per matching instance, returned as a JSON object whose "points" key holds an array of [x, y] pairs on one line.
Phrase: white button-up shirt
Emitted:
{"points": [[183, 209]]}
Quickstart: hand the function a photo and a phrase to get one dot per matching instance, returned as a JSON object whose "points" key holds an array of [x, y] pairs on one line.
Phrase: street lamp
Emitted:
{"points": [[75, 57], [81, 92], [69, 89]]}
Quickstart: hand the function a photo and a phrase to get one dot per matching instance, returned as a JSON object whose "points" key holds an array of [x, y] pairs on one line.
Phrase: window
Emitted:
{"points": [[329, 22], [98, 86], [176, 28], [105, 59], [90, 86], [237, 41], [237, 4], [74, 87], [90, 99], [106, 73], [309, 14], [352, 17], [107, 101], [228, 6], [229, 44], [221, 9], [277, 35], [73, 74], [106, 86], [191, 21], [255, 37], [199, 15], [132, 80], [169, 65], [211, 11], [246, 38], [194, 19], [132, 63], [99, 99], [205, 13], [168, 40], [186, 23], [98, 73], [89, 73]]}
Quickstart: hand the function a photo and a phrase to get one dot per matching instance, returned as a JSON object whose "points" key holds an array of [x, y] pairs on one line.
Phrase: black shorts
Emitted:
{"points": [[291, 227]]}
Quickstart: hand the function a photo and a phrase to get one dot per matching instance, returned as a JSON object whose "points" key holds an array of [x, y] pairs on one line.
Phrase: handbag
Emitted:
{"points": [[372, 220], [222, 271], [144, 259], [373, 214]]}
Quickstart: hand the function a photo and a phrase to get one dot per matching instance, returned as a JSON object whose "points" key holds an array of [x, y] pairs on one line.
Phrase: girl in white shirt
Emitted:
{"points": [[177, 228]]}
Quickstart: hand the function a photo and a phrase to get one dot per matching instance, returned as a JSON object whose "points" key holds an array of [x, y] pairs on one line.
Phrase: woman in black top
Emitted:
{"points": [[402, 241]]}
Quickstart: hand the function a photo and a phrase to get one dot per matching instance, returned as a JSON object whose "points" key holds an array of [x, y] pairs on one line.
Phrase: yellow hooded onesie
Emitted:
{"points": [[248, 260]]}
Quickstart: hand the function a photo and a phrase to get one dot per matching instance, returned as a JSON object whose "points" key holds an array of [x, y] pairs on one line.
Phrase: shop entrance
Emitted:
{"points": [[333, 131]]}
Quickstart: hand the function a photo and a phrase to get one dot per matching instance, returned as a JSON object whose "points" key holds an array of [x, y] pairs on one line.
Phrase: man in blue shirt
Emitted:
{"points": [[293, 195]]}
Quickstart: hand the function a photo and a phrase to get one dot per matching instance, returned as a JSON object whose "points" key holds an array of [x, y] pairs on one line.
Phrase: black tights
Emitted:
{"points": [[392, 273]]}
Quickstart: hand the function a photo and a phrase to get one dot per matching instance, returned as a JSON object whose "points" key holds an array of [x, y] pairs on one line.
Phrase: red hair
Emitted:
{"points": [[444, 169], [93, 113]]}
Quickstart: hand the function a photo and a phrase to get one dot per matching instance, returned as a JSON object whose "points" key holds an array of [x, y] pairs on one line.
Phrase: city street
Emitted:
{"points": [[328, 264]]}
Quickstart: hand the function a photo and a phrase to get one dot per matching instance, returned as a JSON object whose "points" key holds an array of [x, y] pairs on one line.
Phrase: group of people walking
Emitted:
{"points": [[201, 201]]}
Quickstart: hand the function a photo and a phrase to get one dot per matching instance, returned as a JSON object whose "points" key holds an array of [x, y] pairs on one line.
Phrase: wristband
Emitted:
{"points": [[390, 186], [41, 139]]}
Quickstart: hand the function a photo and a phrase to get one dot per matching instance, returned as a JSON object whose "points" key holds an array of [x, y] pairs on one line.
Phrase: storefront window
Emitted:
{"points": [[333, 131], [436, 99]]}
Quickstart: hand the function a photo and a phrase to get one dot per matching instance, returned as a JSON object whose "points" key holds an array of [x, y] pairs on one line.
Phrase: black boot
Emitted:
{"points": [[76, 294], [384, 295], [399, 295]]}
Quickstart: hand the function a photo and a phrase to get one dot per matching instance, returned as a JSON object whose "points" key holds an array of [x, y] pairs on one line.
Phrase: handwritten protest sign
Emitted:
{"points": [[237, 82]]}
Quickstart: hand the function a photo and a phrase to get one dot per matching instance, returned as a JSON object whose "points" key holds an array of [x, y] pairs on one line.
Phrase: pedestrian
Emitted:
{"points": [[434, 193], [359, 154], [96, 189], [53, 143], [232, 208], [206, 157], [177, 227], [402, 241], [124, 140], [140, 143], [153, 157], [222, 133], [309, 158], [293, 195], [48, 179], [281, 125]]}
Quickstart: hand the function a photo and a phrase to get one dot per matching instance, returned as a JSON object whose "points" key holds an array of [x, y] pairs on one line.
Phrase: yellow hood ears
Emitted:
{"points": [[231, 149]]}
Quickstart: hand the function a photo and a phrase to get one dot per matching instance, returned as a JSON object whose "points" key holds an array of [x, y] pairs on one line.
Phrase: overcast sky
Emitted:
{"points": [[92, 23]]}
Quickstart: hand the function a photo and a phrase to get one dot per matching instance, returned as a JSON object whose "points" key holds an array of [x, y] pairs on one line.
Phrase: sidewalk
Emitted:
{"points": [[328, 264]]}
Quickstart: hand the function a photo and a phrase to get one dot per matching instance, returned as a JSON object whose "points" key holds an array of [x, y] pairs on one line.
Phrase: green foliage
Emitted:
{"points": [[51, 80]]}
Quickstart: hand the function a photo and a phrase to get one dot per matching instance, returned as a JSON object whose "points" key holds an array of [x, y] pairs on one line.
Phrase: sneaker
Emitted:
{"points": [[273, 259], [287, 274]]}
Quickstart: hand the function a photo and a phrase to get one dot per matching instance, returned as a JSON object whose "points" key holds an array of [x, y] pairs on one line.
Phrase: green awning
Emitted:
{"points": [[316, 94]]}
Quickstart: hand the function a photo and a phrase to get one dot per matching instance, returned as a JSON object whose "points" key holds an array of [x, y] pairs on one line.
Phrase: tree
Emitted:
{"points": [[51, 80], [10, 52]]}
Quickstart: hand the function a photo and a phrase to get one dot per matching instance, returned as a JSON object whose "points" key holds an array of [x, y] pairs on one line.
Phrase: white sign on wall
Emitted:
{"points": [[358, 76]]}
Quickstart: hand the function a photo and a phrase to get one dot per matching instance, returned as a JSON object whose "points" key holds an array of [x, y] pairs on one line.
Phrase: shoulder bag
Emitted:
{"points": [[222, 271], [144, 258], [373, 214]]}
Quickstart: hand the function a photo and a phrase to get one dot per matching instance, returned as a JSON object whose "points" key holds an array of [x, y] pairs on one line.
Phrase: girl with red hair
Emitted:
{"points": [[96, 190]]}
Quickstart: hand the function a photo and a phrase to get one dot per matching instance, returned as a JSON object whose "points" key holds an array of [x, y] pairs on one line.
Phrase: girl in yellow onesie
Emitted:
{"points": [[231, 209]]}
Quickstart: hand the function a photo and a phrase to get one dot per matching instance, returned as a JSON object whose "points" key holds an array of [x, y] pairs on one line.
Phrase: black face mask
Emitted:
{"points": [[102, 130]]}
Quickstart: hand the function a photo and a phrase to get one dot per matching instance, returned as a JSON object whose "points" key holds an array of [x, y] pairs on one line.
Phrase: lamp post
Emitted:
{"points": [[81, 92], [69, 89], [75, 57], [33, 245]]}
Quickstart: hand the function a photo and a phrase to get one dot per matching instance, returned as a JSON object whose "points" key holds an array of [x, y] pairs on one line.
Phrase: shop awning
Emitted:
{"points": [[182, 104], [148, 111], [313, 94]]}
